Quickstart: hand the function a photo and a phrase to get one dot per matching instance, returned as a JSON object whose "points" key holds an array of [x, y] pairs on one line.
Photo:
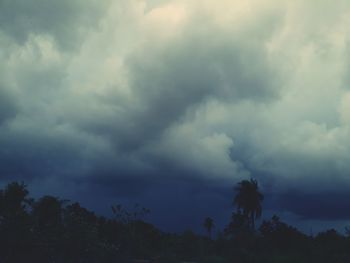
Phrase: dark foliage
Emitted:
{"points": [[53, 230], [248, 200]]}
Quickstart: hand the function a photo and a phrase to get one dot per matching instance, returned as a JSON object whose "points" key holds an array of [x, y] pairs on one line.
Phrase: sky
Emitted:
{"points": [[170, 103]]}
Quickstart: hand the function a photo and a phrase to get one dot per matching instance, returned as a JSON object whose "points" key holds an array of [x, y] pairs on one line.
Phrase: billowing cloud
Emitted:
{"points": [[7, 105], [66, 21], [126, 98]]}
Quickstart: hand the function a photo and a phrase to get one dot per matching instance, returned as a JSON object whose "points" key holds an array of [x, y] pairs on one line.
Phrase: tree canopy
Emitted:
{"points": [[50, 229]]}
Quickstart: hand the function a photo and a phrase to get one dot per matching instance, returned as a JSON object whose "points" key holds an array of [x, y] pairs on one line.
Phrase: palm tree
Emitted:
{"points": [[248, 200], [208, 225]]}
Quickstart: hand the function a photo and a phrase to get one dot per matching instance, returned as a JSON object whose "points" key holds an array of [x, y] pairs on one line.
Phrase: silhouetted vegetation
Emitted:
{"points": [[208, 225], [53, 230], [248, 201]]}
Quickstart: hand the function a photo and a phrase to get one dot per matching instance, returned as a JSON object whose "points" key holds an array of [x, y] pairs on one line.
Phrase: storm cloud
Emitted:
{"points": [[133, 100]]}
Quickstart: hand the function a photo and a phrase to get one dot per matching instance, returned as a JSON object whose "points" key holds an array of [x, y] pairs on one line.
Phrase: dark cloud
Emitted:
{"points": [[30, 154], [64, 20], [8, 105], [321, 206]]}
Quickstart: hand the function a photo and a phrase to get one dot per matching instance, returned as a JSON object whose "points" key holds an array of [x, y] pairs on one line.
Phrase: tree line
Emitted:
{"points": [[50, 229]]}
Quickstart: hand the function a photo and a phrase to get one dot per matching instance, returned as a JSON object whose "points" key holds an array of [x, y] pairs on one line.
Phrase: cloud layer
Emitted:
{"points": [[128, 98]]}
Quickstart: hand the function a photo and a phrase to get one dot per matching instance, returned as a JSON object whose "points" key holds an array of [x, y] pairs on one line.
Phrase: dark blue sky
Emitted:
{"points": [[171, 103]]}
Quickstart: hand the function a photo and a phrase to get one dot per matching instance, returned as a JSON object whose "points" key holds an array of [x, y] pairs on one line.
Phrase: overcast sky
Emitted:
{"points": [[170, 103]]}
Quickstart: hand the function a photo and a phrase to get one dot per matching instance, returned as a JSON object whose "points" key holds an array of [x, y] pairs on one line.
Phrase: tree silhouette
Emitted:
{"points": [[81, 238], [208, 225], [14, 200], [248, 200], [48, 211], [238, 226], [50, 229], [15, 234], [47, 216], [280, 235], [127, 216]]}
